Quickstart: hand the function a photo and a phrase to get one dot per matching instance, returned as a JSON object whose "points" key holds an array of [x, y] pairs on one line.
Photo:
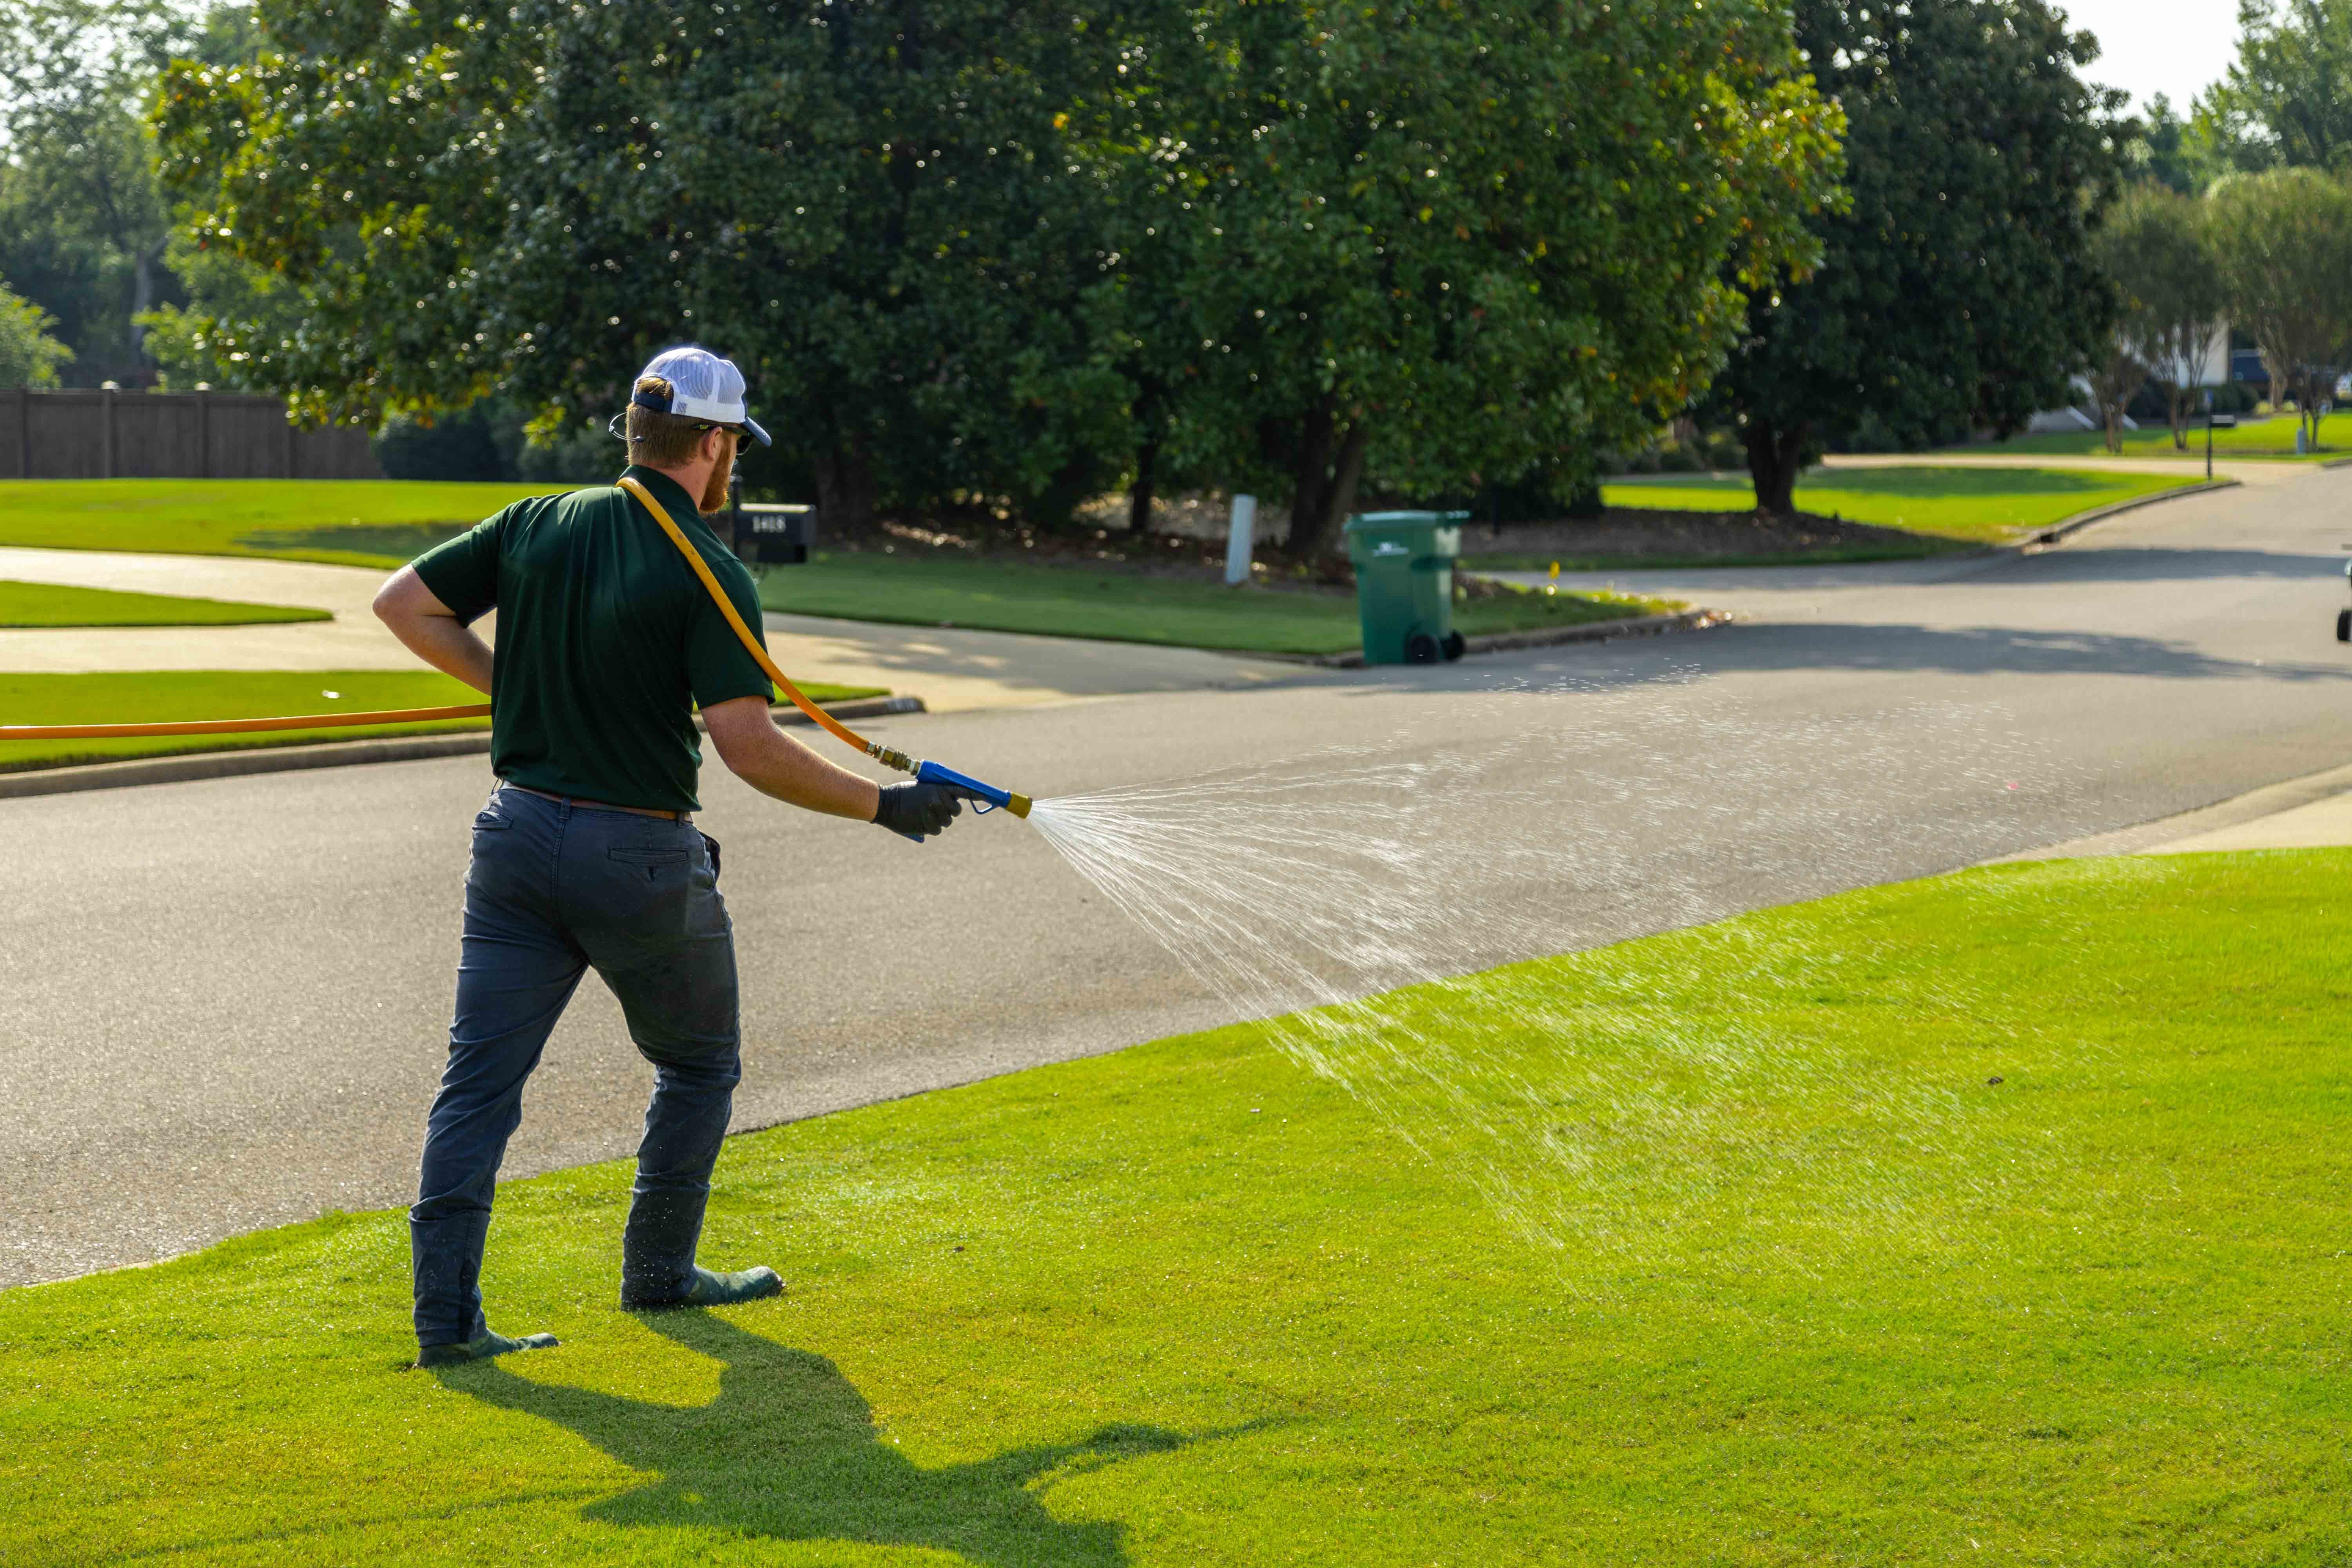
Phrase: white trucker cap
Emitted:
{"points": [[702, 386]]}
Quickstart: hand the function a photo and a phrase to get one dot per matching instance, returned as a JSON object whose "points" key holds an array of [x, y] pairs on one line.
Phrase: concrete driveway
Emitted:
{"points": [[223, 1005]]}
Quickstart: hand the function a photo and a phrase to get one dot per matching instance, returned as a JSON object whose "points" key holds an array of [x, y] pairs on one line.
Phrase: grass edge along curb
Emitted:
{"points": [[182, 767], [2080, 520], [1913, 1209], [2024, 542], [1696, 620]]}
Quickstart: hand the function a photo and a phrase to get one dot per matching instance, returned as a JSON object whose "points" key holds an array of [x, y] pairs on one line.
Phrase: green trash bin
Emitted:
{"points": [[1404, 583]]}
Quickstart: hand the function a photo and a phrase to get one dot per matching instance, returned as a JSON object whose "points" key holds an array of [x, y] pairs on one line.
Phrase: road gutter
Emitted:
{"points": [[2271, 800], [2082, 520]]}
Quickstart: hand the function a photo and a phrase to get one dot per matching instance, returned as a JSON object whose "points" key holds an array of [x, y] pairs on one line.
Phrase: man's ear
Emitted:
{"points": [[715, 443]]}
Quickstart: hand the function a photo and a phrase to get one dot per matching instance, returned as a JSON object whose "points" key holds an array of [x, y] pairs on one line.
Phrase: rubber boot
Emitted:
{"points": [[481, 1349]]}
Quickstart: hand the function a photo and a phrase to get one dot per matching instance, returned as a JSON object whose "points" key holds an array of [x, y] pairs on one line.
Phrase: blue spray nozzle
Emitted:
{"points": [[986, 796]]}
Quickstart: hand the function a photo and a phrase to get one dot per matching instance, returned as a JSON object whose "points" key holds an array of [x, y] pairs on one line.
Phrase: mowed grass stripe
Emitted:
{"points": [[24, 605], [346, 523], [1832, 1293]]}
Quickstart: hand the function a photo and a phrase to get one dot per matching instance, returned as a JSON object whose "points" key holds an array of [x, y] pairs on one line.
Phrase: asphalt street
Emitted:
{"points": [[224, 1004]]}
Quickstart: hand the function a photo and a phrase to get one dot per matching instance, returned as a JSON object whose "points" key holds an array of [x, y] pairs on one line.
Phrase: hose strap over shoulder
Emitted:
{"points": [[839, 730]]}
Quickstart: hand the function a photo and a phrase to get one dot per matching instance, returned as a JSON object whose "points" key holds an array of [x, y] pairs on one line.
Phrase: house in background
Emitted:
{"points": [[2229, 356]]}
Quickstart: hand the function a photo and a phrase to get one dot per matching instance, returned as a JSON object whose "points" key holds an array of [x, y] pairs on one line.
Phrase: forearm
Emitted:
{"points": [[430, 631], [776, 765], [447, 647]]}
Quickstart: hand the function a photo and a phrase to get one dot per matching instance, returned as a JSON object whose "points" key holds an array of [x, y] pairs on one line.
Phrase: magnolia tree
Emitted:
{"points": [[969, 248], [1957, 288], [869, 205], [1450, 242], [2284, 240]]}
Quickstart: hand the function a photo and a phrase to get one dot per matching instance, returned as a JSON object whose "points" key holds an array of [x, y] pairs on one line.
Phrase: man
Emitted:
{"points": [[586, 854]]}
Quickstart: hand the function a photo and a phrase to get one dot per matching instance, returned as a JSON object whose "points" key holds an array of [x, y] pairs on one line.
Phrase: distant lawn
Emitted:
{"points": [[1076, 602], [1984, 506], [2271, 437], [146, 697], [1997, 1218], [344, 522], [47, 605]]}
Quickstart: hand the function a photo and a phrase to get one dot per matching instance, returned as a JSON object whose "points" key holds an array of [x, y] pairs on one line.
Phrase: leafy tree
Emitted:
{"points": [[870, 203], [2286, 100], [1451, 242], [28, 356], [2174, 151], [1957, 290], [80, 186], [2284, 240], [2154, 246]]}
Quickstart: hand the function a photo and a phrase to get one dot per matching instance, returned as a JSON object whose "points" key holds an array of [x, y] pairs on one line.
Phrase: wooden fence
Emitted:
{"points": [[170, 436]]}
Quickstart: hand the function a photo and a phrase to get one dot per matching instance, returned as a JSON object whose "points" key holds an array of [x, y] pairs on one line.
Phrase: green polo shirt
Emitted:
{"points": [[606, 640]]}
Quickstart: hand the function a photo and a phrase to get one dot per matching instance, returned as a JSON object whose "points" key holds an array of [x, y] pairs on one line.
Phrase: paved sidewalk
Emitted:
{"points": [[950, 670], [2321, 825], [355, 639]]}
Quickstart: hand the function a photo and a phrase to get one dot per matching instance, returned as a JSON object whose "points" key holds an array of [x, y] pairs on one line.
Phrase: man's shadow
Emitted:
{"points": [[789, 1450]]}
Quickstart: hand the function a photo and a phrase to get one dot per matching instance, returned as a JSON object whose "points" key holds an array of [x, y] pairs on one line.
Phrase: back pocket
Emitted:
{"points": [[654, 860]]}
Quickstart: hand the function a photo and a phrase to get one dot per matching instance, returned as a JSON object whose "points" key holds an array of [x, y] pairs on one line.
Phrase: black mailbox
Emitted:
{"points": [[774, 535]]}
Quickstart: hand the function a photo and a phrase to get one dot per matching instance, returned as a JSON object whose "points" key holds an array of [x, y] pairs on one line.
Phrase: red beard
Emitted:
{"points": [[714, 494]]}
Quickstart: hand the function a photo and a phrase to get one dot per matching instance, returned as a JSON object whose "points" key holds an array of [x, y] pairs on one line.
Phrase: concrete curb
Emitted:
{"points": [[1552, 636], [2232, 811], [333, 754], [2081, 521]]}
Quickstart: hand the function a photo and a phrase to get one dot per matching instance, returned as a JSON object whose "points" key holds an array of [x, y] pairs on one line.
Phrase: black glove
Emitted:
{"points": [[913, 809]]}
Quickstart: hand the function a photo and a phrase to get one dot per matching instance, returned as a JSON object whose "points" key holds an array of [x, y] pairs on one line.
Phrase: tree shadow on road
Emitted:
{"points": [[1891, 646], [2157, 563], [789, 1450]]}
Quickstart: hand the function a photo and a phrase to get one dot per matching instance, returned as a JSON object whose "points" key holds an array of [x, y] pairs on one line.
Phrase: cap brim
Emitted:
{"points": [[757, 434]]}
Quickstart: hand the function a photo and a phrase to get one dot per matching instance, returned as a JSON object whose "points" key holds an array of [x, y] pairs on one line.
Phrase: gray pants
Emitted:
{"points": [[553, 889]]}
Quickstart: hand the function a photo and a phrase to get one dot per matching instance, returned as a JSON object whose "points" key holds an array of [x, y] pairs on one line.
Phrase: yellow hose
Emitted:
{"points": [[839, 730], [237, 726]]}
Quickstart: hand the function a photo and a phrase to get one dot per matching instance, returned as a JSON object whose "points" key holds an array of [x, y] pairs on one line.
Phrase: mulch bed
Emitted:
{"points": [[1636, 531], [1619, 533]]}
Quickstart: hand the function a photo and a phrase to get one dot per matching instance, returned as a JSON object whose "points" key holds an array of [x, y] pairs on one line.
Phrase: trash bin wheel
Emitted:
{"points": [[2344, 625], [1454, 646], [1421, 648]]}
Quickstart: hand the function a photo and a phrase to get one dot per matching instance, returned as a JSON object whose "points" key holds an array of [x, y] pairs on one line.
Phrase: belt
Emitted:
{"points": [[598, 805]]}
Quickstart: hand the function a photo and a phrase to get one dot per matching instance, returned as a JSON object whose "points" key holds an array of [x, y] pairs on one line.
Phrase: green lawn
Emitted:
{"points": [[48, 605], [1064, 601], [1997, 1218], [1981, 505], [148, 697], [345, 522], [2271, 437]]}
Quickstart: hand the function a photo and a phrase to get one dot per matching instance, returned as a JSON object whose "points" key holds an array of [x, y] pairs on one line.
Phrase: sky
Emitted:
{"points": [[2178, 48]]}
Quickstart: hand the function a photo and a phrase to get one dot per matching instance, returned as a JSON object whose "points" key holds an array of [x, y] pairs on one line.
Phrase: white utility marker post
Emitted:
{"points": [[1239, 540]]}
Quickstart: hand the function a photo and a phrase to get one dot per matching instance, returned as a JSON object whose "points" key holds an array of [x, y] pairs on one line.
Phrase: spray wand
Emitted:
{"points": [[986, 797]]}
